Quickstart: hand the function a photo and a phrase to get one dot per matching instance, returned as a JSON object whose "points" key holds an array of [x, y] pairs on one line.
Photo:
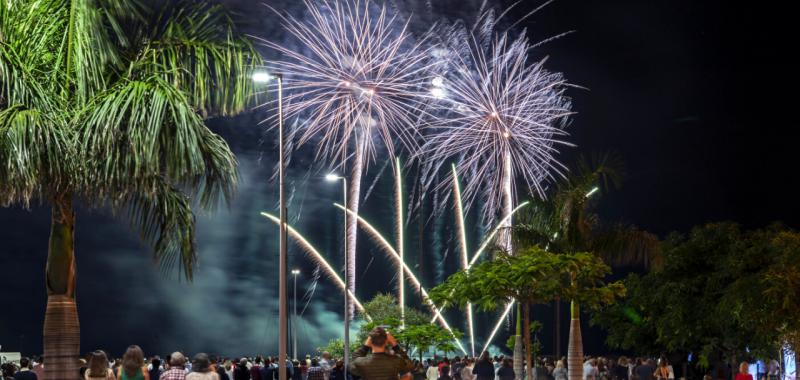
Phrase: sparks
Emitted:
{"points": [[503, 120], [383, 243], [352, 73], [319, 259]]}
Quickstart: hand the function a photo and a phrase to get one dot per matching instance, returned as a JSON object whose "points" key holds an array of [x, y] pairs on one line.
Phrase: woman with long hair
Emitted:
{"points": [[98, 367], [133, 367]]}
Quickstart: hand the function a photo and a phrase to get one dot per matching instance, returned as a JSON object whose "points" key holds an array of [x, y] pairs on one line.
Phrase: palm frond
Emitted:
{"points": [[145, 128], [195, 48], [163, 216], [623, 245], [35, 154], [93, 43]]}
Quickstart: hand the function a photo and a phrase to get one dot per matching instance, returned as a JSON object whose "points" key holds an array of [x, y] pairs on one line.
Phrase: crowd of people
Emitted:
{"points": [[380, 358]]}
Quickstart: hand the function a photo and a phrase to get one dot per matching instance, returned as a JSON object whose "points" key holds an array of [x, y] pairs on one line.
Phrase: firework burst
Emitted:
{"points": [[356, 77], [505, 117]]}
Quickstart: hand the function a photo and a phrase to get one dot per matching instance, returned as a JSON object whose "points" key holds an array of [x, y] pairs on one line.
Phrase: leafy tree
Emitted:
{"points": [[103, 102], [335, 347], [530, 276], [566, 221], [768, 298], [723, 293], [418, 331]]}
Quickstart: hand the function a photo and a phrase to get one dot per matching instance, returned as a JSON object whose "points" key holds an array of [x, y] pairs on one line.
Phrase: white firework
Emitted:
{"points": [[356, 77], [505, 117]]}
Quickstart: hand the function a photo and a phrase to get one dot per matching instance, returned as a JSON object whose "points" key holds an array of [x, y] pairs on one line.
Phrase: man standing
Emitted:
{"points": [[25, 372], [38, 368], [326, 364], [380, 364], [177, 368]]}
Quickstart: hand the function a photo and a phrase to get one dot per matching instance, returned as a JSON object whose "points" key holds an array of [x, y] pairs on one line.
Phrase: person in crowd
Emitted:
{"points": [[380, 364], [455, 368], [38, 368], [432, 373], [620, 371], [773, 370], [241, 372], [444, 371], [466, 370], [7, 371], [267, 371], [25, 372], [602, 368], [645, 370], [297, 373], [588, 369], [662, 371], [506, 372], [418, 373], [228, 365], [177, 367], [560, 372], [484, 369], [315, 372], [219, 368], [201, 369], [155, 368], [255, 369], [744, 372], [98, 367], [326, 363], [442, 363], [337, 372], [303, 369], [133, 367]]}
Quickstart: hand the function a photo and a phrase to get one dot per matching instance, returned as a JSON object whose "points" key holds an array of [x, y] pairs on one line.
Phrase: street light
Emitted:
{"points": [[283, 315], [295, 272], [333, 178]]}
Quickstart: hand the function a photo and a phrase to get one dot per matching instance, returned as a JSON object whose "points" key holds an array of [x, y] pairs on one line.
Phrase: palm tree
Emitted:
{"points": [[566, 222], [102, 102]]}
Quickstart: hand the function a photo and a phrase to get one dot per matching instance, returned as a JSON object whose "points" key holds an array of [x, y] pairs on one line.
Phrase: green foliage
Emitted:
{"points": [[335, 347], [721, 291], [530, 276], [104, 101], [418, 333]]}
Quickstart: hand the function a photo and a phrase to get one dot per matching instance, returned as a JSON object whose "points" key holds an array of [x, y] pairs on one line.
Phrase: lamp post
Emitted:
{"points": [[333, 178], [295, 272], [283, 320]]}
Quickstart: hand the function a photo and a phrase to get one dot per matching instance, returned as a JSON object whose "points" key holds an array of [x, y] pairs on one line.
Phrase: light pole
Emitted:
{"points": [[333, 178], [295, 272], [283, 319]]}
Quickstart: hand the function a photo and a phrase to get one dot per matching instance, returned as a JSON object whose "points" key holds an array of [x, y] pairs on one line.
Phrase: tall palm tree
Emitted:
{"points": [[102, 102], [567, 222]]}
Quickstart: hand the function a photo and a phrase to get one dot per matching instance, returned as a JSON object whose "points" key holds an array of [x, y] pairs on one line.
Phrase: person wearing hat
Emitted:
{"points": [[201, 369]]}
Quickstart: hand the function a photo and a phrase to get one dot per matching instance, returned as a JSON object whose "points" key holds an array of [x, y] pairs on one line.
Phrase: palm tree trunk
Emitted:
{"points": [[526, 312], [518, 367], [61, 328], [557, 332], [575, 348]]}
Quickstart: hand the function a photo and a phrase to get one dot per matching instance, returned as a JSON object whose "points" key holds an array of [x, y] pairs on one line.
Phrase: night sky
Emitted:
{"points": [[691, 94]]}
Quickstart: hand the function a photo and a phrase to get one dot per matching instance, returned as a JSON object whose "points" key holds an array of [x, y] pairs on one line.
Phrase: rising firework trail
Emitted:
{"points": [[355, 76], [462, 238], [383, 243], [399, 226], [319, 259]]}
